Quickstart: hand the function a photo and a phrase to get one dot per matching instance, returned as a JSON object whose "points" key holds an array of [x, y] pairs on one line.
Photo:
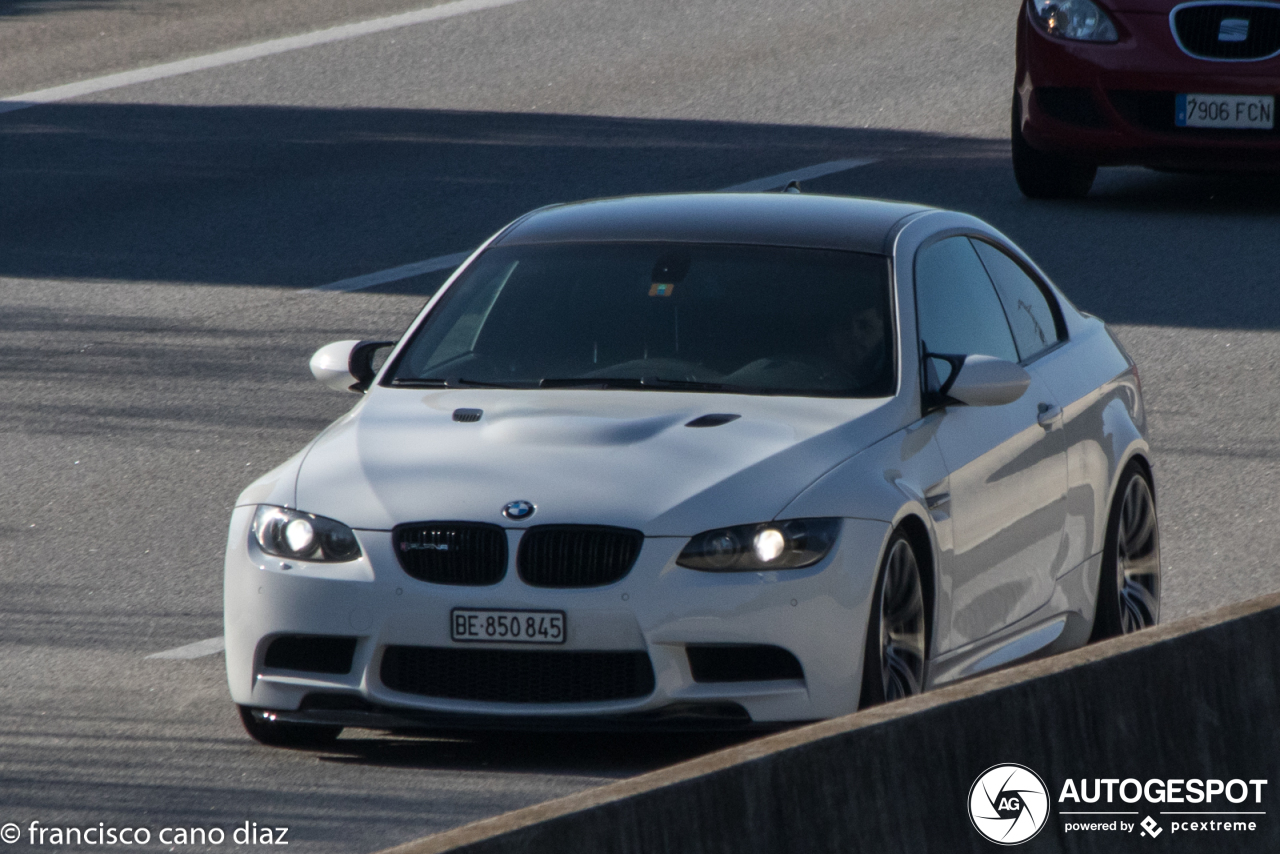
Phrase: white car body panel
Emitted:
{"points": [[1008, 486]]}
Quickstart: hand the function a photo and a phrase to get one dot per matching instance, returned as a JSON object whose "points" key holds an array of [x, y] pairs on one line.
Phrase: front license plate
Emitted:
{"points": [[1225, 111], [475, 625]]}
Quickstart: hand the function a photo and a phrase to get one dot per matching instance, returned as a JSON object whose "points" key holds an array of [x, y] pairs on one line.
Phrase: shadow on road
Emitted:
{"points": [[300, 197], [297, 197]]}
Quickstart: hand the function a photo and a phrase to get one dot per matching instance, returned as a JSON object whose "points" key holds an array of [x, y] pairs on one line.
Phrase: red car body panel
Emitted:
{"points": [[1113, 104]]}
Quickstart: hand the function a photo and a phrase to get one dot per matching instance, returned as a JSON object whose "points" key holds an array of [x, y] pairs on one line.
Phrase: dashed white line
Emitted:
{"points": [[246, 53], [404, 271], [446, 262], [199, 649]]}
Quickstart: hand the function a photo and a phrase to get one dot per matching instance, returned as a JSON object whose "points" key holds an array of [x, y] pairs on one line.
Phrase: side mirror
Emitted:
{"points": [[987, 381], [347, 365]]}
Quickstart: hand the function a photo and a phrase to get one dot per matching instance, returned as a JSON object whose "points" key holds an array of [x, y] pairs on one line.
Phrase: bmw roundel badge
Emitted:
{"points": [[518, 510]]}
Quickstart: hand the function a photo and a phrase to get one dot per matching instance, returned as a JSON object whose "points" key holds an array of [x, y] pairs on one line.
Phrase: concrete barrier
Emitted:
{"points": [[1195, 699]]}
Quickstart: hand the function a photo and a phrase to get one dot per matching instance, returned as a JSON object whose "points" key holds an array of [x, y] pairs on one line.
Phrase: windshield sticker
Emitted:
{"points": [[660, 290]]}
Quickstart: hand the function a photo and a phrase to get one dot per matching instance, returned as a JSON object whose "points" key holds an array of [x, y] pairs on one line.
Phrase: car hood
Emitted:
{"points": [[580, 456]]}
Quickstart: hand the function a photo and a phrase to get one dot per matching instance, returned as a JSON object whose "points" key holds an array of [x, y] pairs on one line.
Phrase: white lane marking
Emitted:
{"points": [[806, 174], [199, 649], [246, 53], [404, 271], [445, 262]]}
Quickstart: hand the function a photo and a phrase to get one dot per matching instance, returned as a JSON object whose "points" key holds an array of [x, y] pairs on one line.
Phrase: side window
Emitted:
{"points": [[1028, 309], [957, 310]]}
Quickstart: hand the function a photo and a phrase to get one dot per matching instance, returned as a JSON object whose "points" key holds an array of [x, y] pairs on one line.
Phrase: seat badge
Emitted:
{"points": [[1233, 30], [518, 510]]}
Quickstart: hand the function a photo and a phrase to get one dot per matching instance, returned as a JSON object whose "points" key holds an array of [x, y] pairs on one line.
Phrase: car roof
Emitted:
{"points": [[774, 219]]}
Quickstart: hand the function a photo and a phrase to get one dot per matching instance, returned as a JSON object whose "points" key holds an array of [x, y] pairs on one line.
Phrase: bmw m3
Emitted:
{"points": [[721, 460]]}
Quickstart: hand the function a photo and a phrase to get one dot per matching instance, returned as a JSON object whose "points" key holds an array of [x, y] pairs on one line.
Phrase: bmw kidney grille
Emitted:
{"points": [[469, 553], [577, 555]]}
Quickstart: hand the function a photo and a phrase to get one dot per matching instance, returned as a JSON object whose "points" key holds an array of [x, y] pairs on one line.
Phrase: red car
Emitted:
{"points": [[1160, 83]]}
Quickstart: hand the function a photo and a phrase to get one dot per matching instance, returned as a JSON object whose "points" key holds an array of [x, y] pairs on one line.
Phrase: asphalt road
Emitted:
{"points": [[156, 246]]}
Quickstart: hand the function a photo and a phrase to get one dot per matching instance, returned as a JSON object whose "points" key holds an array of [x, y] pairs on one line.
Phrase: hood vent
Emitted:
{"points": [[467, 416]]}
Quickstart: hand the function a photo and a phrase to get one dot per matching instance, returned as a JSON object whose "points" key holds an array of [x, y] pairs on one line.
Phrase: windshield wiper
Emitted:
{"points": [[691, 385], [419, 382], [635, 382], [453, 382], [463, 381], [588, 382]]}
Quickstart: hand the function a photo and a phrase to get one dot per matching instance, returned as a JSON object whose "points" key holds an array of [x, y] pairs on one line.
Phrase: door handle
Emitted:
{"points": [[1047, 413]]}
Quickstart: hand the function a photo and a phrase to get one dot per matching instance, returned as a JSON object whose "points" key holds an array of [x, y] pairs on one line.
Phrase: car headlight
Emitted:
{"points": [[1079, 20], [769, 545], [283, 532]]}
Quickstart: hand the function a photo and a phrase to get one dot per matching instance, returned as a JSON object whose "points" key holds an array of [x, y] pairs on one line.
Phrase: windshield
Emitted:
{"points": [[740, 319]]}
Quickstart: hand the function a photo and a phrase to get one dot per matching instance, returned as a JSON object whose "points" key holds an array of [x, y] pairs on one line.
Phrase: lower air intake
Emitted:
{"points": [[742, 663], [1070, 105], [517, 676], [311, 654]]}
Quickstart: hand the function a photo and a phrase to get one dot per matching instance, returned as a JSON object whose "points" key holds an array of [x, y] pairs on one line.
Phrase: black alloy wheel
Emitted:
{"points": [[894, 660], [1129, 583]]}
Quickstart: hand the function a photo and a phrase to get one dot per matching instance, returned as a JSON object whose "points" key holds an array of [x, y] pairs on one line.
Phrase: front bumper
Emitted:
{"points": [[818, 614], [1113, 104]]}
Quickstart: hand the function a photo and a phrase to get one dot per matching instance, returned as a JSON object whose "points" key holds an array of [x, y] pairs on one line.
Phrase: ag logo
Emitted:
{"points": [[1008, 804], [517, 510]]}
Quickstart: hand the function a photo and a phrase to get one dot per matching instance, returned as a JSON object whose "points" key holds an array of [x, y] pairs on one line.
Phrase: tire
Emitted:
{"points": [[897, 631], [278, 734], [1129, 583], [1041, 175]]}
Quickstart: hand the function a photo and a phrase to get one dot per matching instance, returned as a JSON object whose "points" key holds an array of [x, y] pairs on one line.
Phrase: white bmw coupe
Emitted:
{"points": [[681, 461]]}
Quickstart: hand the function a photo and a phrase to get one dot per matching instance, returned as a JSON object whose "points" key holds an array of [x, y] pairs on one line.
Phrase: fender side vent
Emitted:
{"points": [[467, 416], [715, 419]]}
